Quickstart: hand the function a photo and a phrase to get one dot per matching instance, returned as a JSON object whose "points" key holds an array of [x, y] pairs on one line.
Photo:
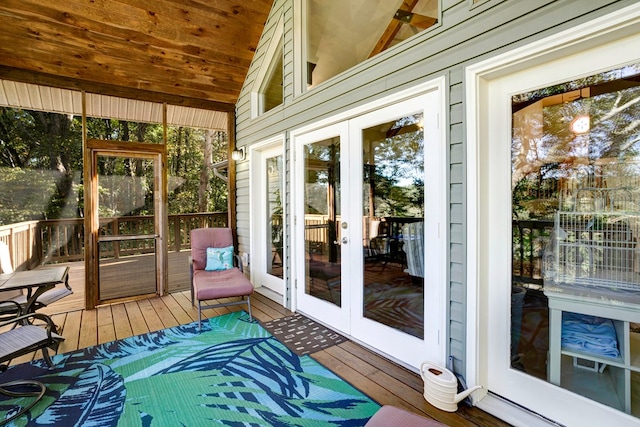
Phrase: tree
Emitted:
{"points": [[42, 167], [44, 151]]}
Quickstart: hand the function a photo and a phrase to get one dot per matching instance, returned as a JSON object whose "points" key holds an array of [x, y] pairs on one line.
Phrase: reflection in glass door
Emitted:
{"points": [[321, 218], [268, 222], [127, 224], [393, 208], [575, 206], [274, 217], [321, 231]]}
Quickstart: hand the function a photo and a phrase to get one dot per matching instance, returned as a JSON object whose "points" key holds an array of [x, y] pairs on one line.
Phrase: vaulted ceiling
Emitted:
{"points": [[194, 53]]}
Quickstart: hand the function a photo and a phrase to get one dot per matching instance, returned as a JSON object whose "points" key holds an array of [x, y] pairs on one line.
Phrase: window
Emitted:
{"points": [[343, 33], [268, 92], [271, 91], [575, 175]]}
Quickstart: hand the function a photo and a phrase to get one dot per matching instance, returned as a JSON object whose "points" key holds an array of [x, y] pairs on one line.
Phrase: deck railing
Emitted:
{"points": [[33, 243], [52, 241], [21, 238], [529, 239]]}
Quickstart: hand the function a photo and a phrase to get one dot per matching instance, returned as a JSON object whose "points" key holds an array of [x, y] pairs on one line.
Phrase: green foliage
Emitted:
{"points": [[42, 167], [549, 158]]}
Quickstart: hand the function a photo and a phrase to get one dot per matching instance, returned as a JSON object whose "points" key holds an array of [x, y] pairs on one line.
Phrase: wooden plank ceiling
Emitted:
{"points": [[194, 53]]}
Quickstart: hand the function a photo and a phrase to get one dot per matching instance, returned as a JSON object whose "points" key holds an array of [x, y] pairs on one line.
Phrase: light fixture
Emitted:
{"points": [[238, 154], [581, 124]]}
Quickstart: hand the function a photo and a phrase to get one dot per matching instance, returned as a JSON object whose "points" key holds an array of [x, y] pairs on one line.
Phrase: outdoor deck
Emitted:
{"points": [[384, 381]]}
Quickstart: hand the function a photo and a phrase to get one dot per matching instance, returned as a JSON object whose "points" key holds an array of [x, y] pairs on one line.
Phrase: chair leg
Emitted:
{"points": [[47, 358], [249, 305], [199, 315]]}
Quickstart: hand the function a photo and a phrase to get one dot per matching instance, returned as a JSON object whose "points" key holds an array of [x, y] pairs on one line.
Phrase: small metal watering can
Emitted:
{"points": [[441, 387]]}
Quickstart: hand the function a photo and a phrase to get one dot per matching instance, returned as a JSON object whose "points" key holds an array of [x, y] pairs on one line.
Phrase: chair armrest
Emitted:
{"points": [[50, 327], [7, 309]]}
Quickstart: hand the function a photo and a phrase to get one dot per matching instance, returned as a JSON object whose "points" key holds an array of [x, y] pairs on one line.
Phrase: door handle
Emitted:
{"points": [[344, 241]]}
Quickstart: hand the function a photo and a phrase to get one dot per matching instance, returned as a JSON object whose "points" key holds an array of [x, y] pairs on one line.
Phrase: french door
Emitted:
{"points": [[367, 228]]}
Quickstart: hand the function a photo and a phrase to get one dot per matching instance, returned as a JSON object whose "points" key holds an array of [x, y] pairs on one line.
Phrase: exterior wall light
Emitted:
{"points": [[238, 154]]}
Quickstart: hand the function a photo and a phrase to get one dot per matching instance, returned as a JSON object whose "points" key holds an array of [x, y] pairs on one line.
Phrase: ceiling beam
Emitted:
{"points": [[415, 20], [25, 76], [392, 29]]}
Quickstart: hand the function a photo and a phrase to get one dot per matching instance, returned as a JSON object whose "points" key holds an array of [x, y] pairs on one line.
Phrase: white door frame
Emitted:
{"points": [[264, 282], [490, 84], [435, 287], [336, 317]]}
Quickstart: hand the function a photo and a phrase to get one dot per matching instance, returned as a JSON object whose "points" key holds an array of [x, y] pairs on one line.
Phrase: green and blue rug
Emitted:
{"points": [[232, 373]]}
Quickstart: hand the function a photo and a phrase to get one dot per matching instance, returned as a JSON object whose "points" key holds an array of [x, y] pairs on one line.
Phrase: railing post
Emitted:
{"points": [[176, 233], [116, 231]]}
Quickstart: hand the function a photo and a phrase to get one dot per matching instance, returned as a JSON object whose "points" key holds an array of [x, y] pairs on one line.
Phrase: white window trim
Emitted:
{"points": [[617, 25], [299, 47], [300, 51], [266, 69]]}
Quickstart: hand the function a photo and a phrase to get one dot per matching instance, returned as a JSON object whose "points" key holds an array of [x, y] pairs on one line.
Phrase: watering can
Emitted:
{"points": [[441, 387]]}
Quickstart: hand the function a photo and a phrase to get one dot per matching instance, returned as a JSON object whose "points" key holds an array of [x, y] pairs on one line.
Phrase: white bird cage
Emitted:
{"points": [[595, 235]]}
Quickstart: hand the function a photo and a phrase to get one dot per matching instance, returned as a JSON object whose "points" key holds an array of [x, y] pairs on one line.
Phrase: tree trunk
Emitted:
{"points": [[203, 187]]}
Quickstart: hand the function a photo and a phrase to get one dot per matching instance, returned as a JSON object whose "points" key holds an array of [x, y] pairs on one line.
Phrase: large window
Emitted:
{"points": [[575, 181], [343, 33], [41, 188]]}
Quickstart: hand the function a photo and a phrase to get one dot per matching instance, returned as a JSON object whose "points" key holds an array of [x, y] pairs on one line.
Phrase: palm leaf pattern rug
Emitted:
{"points": [[232, 373]]}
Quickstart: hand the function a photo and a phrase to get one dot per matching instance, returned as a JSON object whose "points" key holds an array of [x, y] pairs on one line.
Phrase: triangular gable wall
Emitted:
{"points": [[263, 59]]}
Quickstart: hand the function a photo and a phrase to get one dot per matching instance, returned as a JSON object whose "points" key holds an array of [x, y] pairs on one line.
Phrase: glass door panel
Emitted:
{"points": [[323, 274], [575, 206], [393, 224], [275, 224], [268, 249], [126, 237], [320, 226]]}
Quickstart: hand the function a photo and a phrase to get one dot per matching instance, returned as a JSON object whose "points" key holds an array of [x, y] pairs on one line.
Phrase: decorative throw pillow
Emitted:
{"points": [[219, 258]]}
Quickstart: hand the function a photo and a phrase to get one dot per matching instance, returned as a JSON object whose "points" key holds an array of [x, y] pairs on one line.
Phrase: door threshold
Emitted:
{"points": [[512, 413]]}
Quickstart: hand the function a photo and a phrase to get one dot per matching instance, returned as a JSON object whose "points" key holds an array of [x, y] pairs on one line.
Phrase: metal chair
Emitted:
{"points": [[211, 284], [22, 338], [18, 296]]}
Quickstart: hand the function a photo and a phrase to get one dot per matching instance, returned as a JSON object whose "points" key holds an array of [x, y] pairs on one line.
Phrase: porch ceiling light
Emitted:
{"points": [[238, 154], [581, 124]]}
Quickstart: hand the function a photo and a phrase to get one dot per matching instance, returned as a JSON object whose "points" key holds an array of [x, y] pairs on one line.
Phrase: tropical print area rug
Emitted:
{"points": [[232, 373]]}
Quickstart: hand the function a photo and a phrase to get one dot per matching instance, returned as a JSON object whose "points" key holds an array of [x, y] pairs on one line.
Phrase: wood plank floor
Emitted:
{"points": [[382, 380]]}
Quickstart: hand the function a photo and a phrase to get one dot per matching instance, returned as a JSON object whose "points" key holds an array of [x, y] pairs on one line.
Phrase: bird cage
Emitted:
{"points": [[595, 236]]}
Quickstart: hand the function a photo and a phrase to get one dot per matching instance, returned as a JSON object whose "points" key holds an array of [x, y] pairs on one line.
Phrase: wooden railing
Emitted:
{"points": [[529, 239], [24, 248], [33, 243]]}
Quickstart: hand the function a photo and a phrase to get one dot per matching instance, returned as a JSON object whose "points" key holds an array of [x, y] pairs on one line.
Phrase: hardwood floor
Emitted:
{"points": [[382, 380]]}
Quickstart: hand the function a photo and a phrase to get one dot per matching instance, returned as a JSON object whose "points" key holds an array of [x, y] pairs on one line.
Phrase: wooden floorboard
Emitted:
{"points": [[384, 381]]}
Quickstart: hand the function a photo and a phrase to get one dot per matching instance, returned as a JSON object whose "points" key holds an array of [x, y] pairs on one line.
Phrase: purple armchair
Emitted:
{"points": [[211, 279]]}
